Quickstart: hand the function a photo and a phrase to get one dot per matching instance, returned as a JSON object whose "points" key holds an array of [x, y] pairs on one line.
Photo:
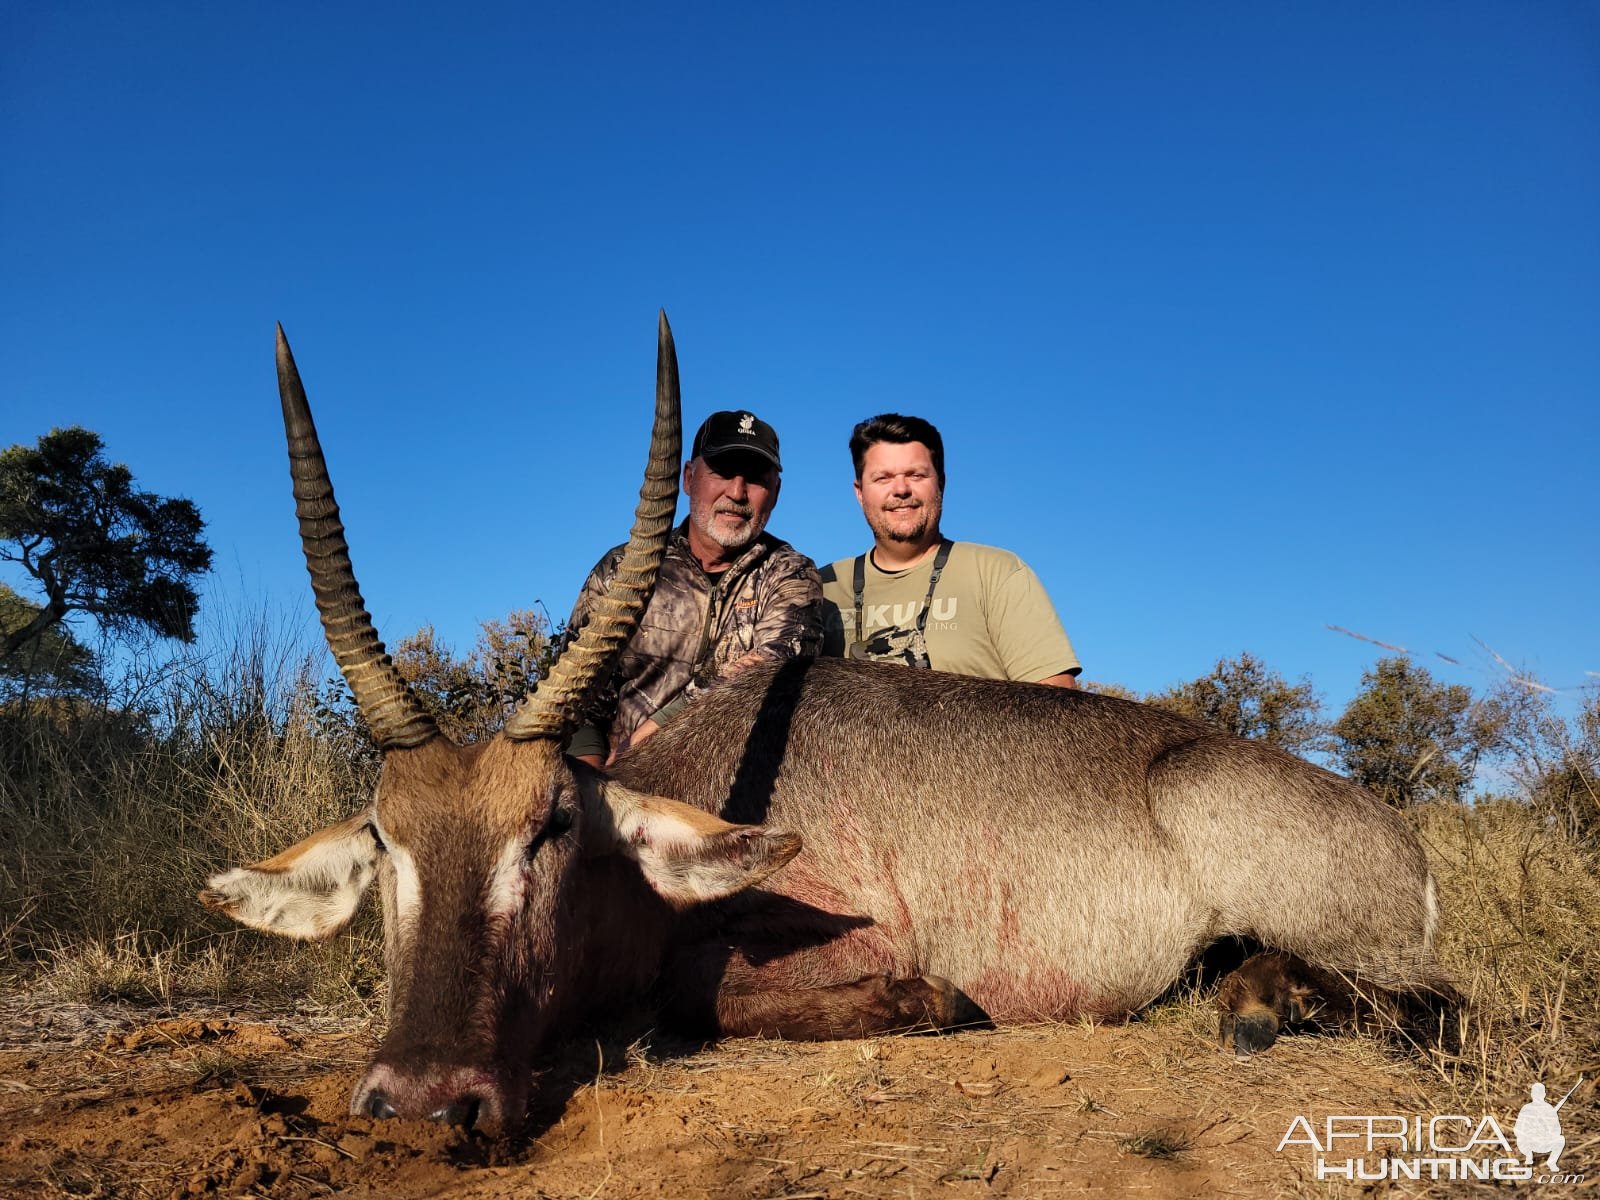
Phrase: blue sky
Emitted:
{"points": [[1240, 319]]}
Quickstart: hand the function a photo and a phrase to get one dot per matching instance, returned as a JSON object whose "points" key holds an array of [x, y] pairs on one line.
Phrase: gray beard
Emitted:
{"points": [[706, 523]]}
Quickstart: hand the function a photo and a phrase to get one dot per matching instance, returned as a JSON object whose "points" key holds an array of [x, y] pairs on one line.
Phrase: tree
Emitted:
{"points": [[470, 696], [1555, 765], [1108, 688], [1409, 739], [96, 544], [54, 663], [1242, 696], [1570, 791]]}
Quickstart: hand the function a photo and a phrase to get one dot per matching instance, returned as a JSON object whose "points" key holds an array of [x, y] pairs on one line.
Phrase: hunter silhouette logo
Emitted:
{"points": [[1368, 1148], [1538, 1127]]}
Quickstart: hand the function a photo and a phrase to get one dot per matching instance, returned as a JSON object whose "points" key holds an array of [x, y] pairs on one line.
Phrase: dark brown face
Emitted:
{"points": [[477, 860]]}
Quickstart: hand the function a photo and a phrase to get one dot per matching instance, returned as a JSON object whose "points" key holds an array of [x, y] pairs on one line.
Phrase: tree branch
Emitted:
{"points": [[47, 616]]}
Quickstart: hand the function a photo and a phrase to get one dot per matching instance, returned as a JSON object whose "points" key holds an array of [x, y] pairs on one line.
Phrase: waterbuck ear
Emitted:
{"points": [[687, 855], [309, 891]]}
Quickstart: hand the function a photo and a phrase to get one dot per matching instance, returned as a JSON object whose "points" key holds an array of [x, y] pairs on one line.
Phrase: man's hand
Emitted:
{"points": [[739, 664], [1064, 680], [647, 728]]}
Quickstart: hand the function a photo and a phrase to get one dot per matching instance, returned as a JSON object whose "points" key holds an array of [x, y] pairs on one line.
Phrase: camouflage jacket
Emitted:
{"points": [[698, 630]]}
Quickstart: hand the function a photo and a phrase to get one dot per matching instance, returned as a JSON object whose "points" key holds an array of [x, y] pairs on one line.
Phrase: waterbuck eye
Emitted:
{"points": [[560, 821]]}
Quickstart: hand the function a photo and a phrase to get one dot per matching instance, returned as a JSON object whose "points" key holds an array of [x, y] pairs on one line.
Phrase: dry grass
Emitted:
{"points": [[1522, 936], [1156, 1143], [113, 823]]}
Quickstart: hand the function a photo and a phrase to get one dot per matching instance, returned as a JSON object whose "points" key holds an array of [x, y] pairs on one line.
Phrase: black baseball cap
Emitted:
{"points": [[727, 432]]}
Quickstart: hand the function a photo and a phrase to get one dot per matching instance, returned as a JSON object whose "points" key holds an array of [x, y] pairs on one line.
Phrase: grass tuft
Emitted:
{"points": [[1161, 1143]]}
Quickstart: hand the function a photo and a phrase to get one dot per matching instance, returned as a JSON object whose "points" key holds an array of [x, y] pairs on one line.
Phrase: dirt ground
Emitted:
{"points": [[99, 1102]]}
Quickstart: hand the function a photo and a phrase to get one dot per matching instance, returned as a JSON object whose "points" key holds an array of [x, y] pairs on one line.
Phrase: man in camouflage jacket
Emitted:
{"points": [[728, 595]]}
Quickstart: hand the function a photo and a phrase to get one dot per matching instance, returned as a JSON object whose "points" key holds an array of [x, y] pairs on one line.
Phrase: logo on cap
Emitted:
{"points": [[747, 422]]}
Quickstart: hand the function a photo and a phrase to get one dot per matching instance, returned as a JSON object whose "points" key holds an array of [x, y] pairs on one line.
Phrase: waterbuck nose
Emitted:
{"points": [[462, 1111], [378, 1106], [467, 1097]]}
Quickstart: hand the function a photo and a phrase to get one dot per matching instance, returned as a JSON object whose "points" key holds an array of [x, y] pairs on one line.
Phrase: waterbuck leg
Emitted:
{"points": [[769, 965], [1269, 991], [875, 1005]]}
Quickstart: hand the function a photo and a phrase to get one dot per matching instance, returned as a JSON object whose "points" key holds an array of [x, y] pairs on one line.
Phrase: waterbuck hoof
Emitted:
{"points": [[959, 1010], [378, 1106], [930, 1003], [1249, 1033], [463, 1112], [921, 1002]]}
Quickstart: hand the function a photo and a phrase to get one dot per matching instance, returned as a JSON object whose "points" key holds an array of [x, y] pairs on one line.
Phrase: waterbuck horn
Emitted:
{"points": [[386, 703], [552, 711]]}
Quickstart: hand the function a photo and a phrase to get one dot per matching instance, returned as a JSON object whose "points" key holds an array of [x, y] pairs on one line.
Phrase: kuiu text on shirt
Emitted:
{"points": [[884, 616]]}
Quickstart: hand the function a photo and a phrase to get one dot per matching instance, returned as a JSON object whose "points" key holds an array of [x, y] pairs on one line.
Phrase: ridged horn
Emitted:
{"points": [[386, 703], [553, 710]]}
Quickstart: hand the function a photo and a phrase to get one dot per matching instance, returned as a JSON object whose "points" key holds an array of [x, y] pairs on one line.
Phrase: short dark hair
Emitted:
{"points": [[892, 427]]}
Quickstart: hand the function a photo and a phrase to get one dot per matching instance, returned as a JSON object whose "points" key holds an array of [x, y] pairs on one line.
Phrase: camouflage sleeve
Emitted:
{"points": [[788, 623], [602, 704]]}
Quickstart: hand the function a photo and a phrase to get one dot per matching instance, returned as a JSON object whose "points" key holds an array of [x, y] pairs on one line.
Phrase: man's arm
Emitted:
{"points": [[1027, 633], [788, 625], [642, 732], [790, 620]]}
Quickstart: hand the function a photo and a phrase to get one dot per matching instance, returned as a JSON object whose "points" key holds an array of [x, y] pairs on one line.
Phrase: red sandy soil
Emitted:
{"points": [[96, 1102]]}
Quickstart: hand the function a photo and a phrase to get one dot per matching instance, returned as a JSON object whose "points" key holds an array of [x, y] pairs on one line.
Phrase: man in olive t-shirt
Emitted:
{"points": [[927, 601]]}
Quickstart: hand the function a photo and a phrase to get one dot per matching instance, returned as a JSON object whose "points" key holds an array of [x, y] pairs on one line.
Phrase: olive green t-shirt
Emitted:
{"points": [[990, 615]]}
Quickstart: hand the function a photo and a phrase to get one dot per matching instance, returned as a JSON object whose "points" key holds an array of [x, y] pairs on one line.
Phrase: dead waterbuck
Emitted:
{"points": [[971, 847]]}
